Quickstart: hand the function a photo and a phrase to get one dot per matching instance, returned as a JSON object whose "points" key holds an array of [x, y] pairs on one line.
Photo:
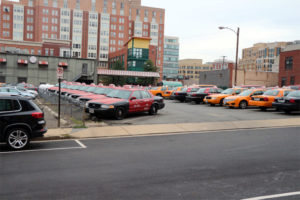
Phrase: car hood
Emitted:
{"points": [[108, 101], [92, 96], [220, 95]]}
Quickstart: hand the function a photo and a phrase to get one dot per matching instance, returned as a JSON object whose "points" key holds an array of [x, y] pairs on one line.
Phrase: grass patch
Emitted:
{"points": [[77, 123]]}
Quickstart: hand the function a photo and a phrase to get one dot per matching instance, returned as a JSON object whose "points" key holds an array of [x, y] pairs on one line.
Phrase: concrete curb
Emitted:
{"points": [[161, 129]]}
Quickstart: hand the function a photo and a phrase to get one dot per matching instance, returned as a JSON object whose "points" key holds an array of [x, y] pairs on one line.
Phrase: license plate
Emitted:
{"points": [[256, 99], [281, 100], [91, 110]]}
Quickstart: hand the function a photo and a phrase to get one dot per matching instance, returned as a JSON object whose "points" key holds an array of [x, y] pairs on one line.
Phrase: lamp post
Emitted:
{"points": [[237, 50]]}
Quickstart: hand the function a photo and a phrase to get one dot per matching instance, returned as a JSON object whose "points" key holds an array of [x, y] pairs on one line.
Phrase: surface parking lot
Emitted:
{"points": [[176, 112]]}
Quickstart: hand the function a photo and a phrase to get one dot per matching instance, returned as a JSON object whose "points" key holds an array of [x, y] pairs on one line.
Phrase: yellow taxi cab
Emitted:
{"points": [[265, 101], [167, 93], [242, 100], [162, 91], [219, 98]]}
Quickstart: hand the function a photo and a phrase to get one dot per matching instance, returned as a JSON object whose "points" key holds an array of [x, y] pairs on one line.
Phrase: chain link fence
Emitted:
{"points": [[69, 112]]}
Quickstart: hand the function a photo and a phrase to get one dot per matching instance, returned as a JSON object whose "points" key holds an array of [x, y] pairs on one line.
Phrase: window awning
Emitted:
{"points": [[43, 62], [2, 60], [21, 61], [62, 64], [128, 73]]}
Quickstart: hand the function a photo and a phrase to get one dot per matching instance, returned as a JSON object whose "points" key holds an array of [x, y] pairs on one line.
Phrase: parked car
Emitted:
{"points": [[20, 121], [181, 95], [178, 89], [11, 91], [201, 93], [242, 100], [121, 102], [289, 103], [265, 100], [100, 93], [219, 98]]}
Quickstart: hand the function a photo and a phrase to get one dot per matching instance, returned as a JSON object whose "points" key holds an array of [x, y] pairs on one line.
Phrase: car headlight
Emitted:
{"points": [[107, 106], [87, 105]]}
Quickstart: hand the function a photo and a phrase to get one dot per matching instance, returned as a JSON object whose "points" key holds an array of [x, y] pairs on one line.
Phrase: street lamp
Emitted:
{"points": [[237, 49]]}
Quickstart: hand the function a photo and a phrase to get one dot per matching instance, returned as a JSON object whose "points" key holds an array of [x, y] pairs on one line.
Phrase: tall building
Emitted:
{"points": [[191, 68], [171, 57], [90, 29], [289, 71], [262, 57]]}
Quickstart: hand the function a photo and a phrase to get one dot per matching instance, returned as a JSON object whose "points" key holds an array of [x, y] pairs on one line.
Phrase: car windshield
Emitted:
{"points": [[183, 89], [91, 89], [246, 93], [194, 89], [120, 94], [272, 92], [100, 91], [202, 90], [154, 88], [294, 94], [228, 91]]}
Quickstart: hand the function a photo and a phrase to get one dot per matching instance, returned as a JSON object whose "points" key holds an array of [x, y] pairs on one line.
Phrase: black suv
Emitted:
{"points": [[20, 121]]}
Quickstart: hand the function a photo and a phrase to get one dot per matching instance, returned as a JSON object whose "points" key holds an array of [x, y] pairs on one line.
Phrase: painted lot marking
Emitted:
{"points": [[49, 146], [275, 196]]}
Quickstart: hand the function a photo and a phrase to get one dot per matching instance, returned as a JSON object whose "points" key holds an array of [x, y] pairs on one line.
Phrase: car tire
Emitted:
{"points": [[243, 105], [263, 108], [212, 105], [153, 110], [120, 113], [159, 95], [17, 139], [221, 102]]}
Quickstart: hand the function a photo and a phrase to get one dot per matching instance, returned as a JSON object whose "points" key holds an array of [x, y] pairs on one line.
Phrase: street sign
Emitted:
{"points": [[60, 72]]}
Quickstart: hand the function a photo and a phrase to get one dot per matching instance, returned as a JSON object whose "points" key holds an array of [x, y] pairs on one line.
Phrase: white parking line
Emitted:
{"points": [[274, 196], [81, 146]]}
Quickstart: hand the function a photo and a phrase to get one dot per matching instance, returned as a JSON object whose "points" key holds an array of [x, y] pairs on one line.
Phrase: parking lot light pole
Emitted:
{"points": [[237, 50]]}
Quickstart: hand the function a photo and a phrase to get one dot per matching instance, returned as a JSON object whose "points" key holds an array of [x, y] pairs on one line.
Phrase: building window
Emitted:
{"points": [[6, 9], [283, 81], [51, 52], [54, 3], [78, 4], [46, 3], [46, 52], [30, 3], [65, 3], [93, 5], [288, 63], [292, 80]]}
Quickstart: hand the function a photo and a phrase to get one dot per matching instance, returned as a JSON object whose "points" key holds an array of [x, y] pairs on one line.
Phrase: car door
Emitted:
{"points": [[8, 108], [147, 100], [135, 104]]}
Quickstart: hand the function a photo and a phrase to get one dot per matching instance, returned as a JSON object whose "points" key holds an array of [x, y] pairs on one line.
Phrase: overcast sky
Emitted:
{"points": [[196, 23]]}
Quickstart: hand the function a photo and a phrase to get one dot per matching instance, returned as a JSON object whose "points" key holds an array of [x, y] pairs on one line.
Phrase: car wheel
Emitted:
{"points": [[263, 108], [153, 110], [221, 102], [120, 113], [17, 139], [243, 104], [212, 104], [159, 95]]}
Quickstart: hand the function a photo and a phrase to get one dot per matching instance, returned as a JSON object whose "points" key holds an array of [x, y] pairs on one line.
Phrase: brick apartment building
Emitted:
{"points": [[289, 67], [262, 57], [88, 29]]}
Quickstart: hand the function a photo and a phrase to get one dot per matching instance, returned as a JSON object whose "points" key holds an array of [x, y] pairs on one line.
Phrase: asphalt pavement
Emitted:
{"points": [[213, 165], [177, 112]]}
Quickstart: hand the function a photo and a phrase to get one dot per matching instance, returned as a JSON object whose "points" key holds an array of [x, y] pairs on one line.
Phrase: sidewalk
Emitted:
{"points": [[123, 131]]}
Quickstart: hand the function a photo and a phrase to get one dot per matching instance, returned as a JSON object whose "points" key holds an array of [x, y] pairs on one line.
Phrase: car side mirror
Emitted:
{"points": [[132, 98]]}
